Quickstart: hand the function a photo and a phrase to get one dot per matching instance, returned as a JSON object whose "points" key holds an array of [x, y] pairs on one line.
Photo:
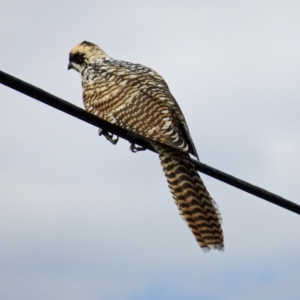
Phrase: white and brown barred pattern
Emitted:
{"points": [[195, 204], [136, 98]]}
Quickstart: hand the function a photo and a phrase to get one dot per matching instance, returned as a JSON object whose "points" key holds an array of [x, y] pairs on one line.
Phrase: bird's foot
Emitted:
{"points": [[134, 148], [109, 136]]}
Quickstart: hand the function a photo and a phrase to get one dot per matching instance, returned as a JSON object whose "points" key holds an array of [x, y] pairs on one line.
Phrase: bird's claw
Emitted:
{"points": [[134, 148], [109, 136]]}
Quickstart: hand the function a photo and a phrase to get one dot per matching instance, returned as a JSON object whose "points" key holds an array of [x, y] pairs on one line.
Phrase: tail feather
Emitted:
{"points": [[195, 204]]}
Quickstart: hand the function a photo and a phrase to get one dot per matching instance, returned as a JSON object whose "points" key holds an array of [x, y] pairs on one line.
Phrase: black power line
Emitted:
{"points": [[73, 110]]}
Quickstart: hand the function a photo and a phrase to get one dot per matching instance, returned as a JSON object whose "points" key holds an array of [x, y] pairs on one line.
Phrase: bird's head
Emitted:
{"points": [[83, 55]]}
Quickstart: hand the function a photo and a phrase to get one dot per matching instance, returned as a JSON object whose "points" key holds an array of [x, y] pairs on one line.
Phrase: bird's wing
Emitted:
{"points": [[136, 98]]}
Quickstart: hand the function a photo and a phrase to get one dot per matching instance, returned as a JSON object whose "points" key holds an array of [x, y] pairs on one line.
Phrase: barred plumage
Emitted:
{"points": [[136, 98]]}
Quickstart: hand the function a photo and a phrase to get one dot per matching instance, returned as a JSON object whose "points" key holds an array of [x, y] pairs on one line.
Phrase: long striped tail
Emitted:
{"points": [[195, 204]]}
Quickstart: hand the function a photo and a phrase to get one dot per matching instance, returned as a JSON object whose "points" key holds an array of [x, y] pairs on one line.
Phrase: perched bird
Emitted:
{"points": [[138, 99]]}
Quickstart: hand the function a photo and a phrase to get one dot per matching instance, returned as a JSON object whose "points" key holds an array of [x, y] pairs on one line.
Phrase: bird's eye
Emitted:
{"points": [[77, 58]]}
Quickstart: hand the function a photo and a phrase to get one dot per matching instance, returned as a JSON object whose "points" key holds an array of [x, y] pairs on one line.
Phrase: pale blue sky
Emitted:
{"points": [[83, 219]]}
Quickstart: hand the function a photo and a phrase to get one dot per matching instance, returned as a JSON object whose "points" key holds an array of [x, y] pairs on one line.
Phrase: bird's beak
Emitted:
{"points": [[70, 66]]}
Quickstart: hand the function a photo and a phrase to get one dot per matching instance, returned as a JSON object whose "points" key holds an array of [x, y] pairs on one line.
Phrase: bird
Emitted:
{"points": [[136, 98]]}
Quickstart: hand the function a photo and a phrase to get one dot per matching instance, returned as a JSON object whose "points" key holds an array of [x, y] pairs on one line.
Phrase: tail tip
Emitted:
{"points": [[207, 248]]}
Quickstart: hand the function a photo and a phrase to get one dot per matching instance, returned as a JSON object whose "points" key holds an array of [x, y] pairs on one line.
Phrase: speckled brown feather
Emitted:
{"points": [[136, 98]]}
